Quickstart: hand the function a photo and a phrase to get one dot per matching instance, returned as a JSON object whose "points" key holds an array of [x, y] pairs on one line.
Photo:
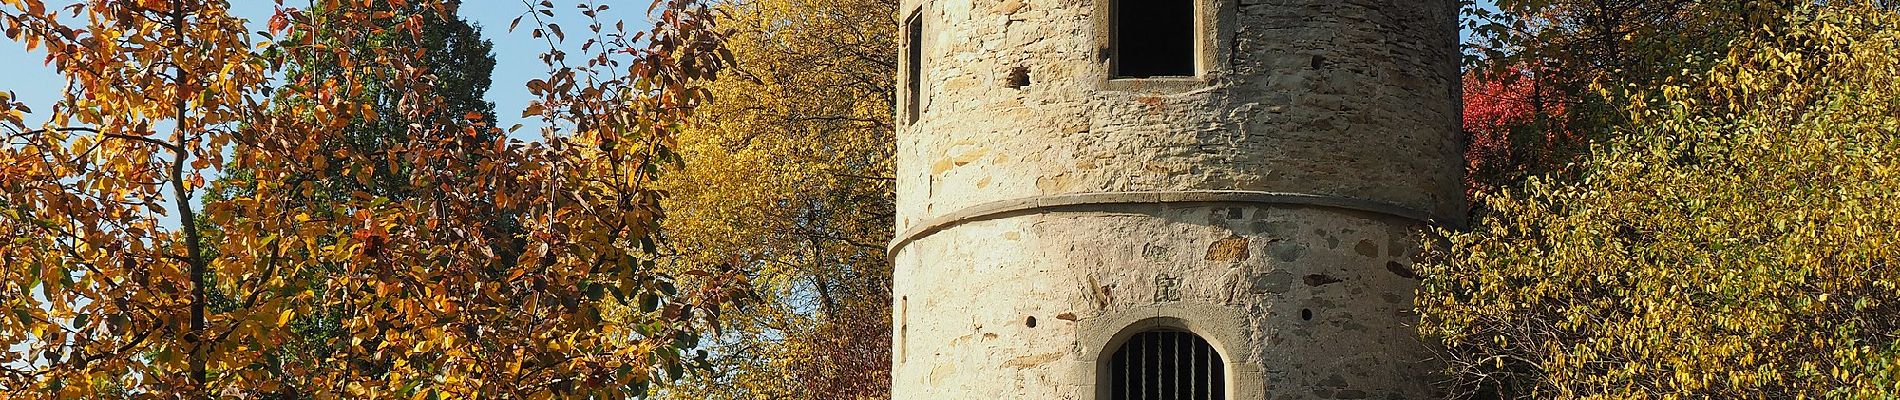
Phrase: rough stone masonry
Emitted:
{"points": [[1048, 211]]}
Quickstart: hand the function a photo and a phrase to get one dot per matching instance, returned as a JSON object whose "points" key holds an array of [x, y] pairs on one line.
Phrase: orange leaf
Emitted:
{"points": [[278, 21]]}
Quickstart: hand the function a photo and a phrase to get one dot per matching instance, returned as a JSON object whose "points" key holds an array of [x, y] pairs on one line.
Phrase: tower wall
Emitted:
{"points": [[1267, 205]]}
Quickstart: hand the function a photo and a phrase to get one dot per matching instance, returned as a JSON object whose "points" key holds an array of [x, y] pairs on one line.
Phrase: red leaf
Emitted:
{"points": [[278, 21]]}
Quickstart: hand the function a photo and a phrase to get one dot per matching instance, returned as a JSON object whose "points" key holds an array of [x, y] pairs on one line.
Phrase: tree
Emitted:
{"points": [[1565, 62], [459, 66], [1635, 42], [1734, 240], [789, 176], [109, 301], [1517, 128]]}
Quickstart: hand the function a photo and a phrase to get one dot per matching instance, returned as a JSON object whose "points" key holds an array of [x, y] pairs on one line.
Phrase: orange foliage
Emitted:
{"points": [[101, 297]]}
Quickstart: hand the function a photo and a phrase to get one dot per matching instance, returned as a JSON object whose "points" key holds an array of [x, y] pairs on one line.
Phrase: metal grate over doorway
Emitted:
{"points": [[1167, 365]]}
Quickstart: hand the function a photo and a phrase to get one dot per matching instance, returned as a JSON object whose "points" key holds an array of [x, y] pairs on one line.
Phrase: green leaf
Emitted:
{"points": [[649, 302]]}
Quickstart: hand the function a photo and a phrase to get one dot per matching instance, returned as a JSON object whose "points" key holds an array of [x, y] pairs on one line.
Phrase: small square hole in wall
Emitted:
{"points": [[1018, 77]]}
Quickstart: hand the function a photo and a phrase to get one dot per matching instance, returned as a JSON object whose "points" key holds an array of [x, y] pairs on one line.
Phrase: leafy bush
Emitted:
{"points": [[1736, 240]]}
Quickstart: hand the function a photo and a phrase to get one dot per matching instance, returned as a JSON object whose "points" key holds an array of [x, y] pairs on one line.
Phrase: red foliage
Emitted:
{"points": [[1518, 125], [850, 355]]}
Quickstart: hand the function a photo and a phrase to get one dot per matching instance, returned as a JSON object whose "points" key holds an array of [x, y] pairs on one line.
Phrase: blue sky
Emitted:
{"points": [[35, 84]]}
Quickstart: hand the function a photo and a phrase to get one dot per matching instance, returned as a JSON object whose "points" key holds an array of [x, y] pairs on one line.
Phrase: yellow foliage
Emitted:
{"points": [[1736, 241], [789, 177]]}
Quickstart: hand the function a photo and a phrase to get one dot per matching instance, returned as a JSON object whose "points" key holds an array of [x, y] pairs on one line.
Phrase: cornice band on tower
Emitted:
{"points": [[997, 209]]}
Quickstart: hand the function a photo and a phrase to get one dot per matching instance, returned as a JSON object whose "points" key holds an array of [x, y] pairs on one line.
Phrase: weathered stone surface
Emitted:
{"points": [[1377, 121], [1332, 316], [1229, 249], [1351, 100]]}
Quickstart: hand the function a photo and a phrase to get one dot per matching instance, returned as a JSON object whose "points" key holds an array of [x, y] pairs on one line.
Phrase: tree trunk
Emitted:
{"points": [[187, 219]]}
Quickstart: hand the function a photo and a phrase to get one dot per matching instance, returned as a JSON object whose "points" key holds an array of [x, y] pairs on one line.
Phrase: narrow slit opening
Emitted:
{"points": [[914, 68]]}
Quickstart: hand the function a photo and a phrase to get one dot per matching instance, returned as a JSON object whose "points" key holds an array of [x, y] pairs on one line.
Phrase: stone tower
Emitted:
{"points": [[1163, 199]]}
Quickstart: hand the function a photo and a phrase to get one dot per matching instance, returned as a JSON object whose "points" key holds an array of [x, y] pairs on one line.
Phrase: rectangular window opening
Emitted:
{"points": [[1152, 38], [914, 72]]}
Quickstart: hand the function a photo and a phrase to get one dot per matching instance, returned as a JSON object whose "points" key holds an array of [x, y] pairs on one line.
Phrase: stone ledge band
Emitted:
{"points": [[996, 209]]}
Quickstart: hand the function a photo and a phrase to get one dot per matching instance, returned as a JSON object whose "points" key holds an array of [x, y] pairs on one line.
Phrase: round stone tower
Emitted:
{"points": [[1169, 199]]}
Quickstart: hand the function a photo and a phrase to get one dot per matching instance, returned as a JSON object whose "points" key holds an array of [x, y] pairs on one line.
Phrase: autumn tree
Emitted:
{"points": [[1517, 127], [790, 177], [106, 299], [459, 66], [1639, 42], [1543, 76], [458, 63], [1732, 240]]}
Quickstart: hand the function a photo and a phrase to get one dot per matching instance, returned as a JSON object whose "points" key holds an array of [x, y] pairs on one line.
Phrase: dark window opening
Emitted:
{"points": [[1167, 365], [914, 73], [1153, 38]]}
